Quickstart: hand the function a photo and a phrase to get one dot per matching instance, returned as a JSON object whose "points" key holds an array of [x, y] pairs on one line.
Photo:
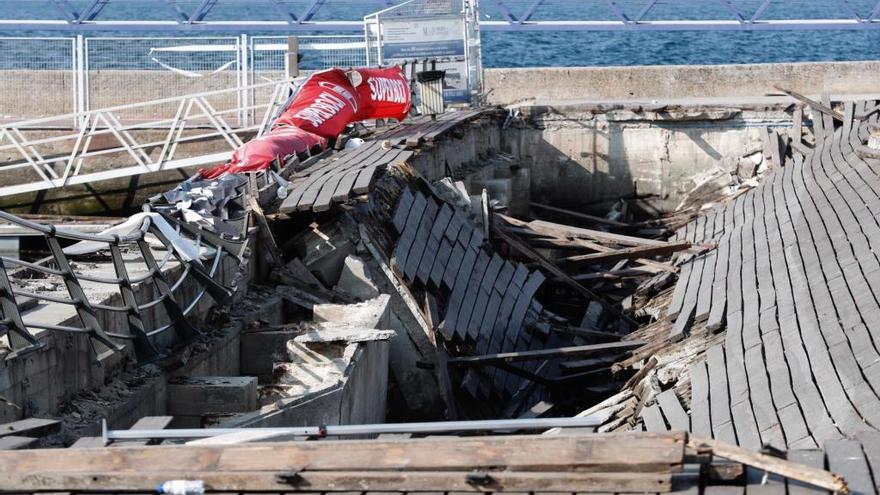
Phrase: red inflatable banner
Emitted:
{"points": [[257, 154], [324, 104], [383, 93]]}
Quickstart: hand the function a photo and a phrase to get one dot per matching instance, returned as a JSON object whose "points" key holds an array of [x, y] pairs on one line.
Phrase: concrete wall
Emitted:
{"points": [[509, 86], [358, 398], [581, 155]]}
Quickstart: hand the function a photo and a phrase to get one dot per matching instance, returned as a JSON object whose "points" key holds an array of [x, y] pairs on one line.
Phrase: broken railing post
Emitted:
{"points": [[143, 349]]}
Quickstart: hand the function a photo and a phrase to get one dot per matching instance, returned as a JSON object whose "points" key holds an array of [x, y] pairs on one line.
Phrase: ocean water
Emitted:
{"points": [[560, 49]]}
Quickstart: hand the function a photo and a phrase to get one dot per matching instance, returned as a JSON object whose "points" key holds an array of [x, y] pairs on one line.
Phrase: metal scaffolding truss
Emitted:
{"points": [[846, 16]]}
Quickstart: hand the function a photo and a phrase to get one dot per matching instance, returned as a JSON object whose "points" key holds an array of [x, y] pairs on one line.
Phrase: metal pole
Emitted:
{"points": [[370, 429], [81, 83], [244, 69], [292, 57]]}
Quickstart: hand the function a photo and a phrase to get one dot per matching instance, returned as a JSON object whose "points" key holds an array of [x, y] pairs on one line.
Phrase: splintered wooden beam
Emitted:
{"points": [[763, 462], [582, 216], [596, 235], [815, 105], [561, 233], [627, 454], [571, 351], [293, 480], [628, 253], [617, 274], [523, 248]]}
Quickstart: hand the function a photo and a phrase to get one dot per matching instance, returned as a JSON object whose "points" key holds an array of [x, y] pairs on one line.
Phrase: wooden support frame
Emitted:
{"points": [[530, 253]]}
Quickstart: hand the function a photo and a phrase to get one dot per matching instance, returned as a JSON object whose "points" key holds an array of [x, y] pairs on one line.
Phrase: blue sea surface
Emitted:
{"points": [[560, 48]]}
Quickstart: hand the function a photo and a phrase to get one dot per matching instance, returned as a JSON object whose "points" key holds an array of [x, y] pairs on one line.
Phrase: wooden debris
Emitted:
{"points": [[564, 463], [509, 357], [31, 427], [815, 105], [530, 253], [582, 216], [628, 253], [791, 470]]}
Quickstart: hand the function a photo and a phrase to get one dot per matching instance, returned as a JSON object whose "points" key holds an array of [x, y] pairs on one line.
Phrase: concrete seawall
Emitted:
{"points": [[544, 85]]}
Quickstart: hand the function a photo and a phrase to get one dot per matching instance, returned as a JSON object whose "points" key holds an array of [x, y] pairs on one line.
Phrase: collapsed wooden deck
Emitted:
{"points": [[794, 285], [335, 178]]}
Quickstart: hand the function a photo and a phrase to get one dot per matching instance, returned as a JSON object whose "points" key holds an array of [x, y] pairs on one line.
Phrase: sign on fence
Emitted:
{"points": [[435, 30]]}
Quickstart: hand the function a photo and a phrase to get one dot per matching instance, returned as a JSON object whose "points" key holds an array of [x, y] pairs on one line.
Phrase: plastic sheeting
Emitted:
{"points": [[323, 105], [384, 93], [187, 249], [258, 154]]}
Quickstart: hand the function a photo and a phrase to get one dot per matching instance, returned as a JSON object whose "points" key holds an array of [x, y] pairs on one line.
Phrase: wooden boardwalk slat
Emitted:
{"points": [[402, 212], [870, 441], [466, 307], [529, 288], [812, 458], [672, 410], [846, 458], [493, 307], [450, 273], [487, 284], [701, 424], [499, 334], [653, 419], [719, 400], [414, 258], [413, 221], [432, 248]]}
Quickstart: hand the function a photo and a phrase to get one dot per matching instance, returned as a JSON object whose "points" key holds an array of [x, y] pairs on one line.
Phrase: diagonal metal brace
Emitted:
{"points": [[185, 332], [144, 350], [20, 340], [217, 291], [84, 309]]}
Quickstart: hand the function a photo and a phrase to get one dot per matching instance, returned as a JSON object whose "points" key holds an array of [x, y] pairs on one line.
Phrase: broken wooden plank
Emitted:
{"points": [[355, 481], [815, 105], [628, 253], [31, 427], [530, 253], [581, 350], [594, 453], [582, 216], [791, 470], [15, 442]]}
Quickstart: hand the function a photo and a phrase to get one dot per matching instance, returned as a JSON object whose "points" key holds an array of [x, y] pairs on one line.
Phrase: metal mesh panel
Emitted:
{"points": [[419, 8], [30, 64], [123, 70], [269, 61], [269, 54]]}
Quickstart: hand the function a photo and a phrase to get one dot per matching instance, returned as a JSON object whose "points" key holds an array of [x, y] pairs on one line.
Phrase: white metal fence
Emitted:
{"points": [[44, 77], [35, 160]]}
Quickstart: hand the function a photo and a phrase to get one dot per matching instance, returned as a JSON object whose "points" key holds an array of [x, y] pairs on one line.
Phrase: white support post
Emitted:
{"points": [[244, 81], [81, 89]]}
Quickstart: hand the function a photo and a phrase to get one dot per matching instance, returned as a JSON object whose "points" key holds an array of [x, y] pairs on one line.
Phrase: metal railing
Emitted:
{"points": [[47, 161], [78, 74], [515, 15], [161, 227]]}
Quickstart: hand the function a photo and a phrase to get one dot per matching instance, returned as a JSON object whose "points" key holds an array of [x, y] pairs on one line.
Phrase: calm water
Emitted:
{"points": [[521, 49]]}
